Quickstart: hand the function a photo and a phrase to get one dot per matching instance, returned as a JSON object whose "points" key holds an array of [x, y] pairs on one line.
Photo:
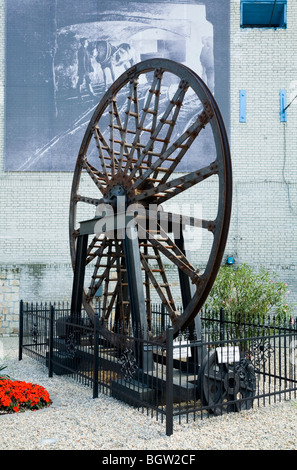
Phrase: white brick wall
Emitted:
{"points": [[9, 300], [35, 206], [264, 219]]}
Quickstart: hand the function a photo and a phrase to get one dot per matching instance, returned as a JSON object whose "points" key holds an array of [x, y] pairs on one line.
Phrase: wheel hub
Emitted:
{"points": [[122, 186], [231, 383], [119, 186]]}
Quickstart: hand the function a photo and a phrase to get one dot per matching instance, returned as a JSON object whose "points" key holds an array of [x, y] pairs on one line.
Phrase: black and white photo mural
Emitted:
{"points": [[62, 55]]}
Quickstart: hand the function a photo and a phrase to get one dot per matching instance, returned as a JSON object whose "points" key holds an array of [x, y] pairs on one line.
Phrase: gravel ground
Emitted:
{"points": [[76, 421]]}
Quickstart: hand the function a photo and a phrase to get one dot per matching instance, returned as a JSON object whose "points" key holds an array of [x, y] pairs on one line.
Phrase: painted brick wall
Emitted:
{"points": [[264, 220], [34, 248]]}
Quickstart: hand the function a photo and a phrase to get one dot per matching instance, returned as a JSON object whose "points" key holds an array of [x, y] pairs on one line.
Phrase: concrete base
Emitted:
{"points": [[133, 392]]}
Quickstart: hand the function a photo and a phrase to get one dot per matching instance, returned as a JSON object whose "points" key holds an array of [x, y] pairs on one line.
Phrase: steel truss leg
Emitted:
{"points": [[187, 291], [137, 299], [78, 279]]}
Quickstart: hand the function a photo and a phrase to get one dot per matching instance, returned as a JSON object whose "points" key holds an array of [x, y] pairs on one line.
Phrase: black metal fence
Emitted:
{"points": [[228, 365]]}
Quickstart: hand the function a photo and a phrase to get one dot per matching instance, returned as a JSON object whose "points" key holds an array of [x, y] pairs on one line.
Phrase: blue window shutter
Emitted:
{"points": [[242, 106], [263, 13], [283, 104]]}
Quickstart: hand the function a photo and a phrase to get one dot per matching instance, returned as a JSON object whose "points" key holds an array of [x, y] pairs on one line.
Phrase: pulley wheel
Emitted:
{"points": [[156, 133], [225, 387]]}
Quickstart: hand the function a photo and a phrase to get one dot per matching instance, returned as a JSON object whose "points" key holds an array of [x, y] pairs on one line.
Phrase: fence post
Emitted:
{"points": [[162, 317], [51, 341], [21, 330], [222, 325], [95, 358], [169, 381]]}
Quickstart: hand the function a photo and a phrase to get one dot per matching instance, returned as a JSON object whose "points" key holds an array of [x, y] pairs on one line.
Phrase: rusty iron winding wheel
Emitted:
{"points": [[157, 120]]}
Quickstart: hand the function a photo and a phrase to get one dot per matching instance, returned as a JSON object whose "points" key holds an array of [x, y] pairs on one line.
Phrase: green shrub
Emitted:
{"points": [[248, 294]]}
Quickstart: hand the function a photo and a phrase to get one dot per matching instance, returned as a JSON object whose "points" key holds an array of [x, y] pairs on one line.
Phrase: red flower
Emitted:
{"points": [[17, 395]]}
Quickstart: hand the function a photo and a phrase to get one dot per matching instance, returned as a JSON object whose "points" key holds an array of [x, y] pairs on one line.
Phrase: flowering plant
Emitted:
{"points": [[17, 396]]}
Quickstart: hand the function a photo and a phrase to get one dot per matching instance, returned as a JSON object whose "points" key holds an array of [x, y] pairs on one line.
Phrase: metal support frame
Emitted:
{"points": [[134, 275], [121, 223], [78, 279], [143, 354], [187, 292]]}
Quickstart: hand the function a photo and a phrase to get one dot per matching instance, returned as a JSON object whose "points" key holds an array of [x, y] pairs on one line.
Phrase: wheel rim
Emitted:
{"points": [[136, 151]]}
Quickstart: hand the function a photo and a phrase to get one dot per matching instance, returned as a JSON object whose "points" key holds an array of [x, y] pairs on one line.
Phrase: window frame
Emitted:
{"points": [[273, 3]]}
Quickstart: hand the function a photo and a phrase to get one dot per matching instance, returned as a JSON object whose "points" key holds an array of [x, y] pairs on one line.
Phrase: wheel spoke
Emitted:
{"points": [[168, 221], [101, 146], [154, 112], [92, 290], [109, 307], [121, 317], [175, 102], [97, 279], [153, 91], [88, 200], [175, 249], [165, 280], [166, 191], [94, 174], [134, 114], [155, 257], [113, 114], [183, 143], [99, 250], [172, 253], [111, 260], [172, 313]]}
